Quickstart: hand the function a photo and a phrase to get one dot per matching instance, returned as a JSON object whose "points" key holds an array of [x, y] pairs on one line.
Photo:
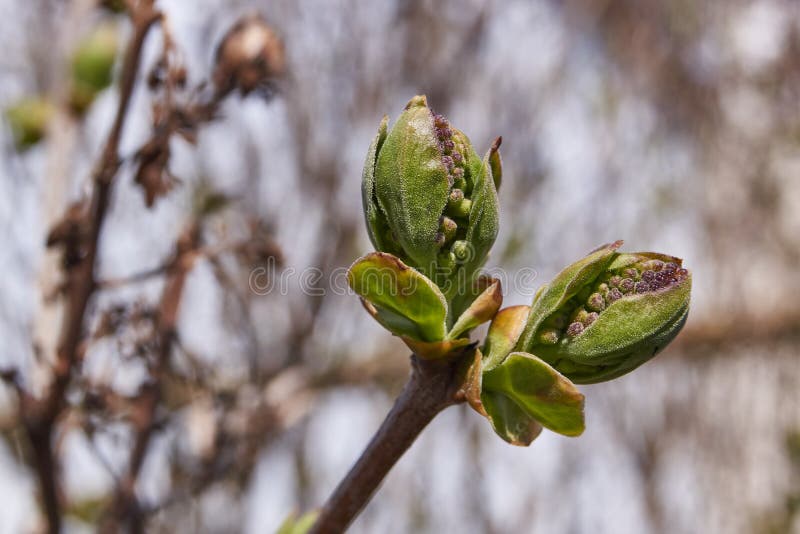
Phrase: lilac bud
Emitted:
{"points": [[631, 273], [632, 313], [626, 285], [596, 302], [549, 336], [614, 294], [574, 329]]}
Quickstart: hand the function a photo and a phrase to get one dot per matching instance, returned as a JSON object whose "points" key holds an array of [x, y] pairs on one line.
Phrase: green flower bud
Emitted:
{"points": [[448, 227], [427, 194], [92, 65], [608, 336], [28, 120]]}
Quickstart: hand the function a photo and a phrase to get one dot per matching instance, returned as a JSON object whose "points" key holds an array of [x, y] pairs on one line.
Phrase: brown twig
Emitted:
{"points": [[126, 506], [431, 388], [40, 417]]}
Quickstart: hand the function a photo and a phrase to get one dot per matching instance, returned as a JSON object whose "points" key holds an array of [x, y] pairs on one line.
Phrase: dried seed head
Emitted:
{"points": [[250, 56]]}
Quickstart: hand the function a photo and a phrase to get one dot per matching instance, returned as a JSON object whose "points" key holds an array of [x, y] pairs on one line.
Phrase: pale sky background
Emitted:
{"points": [[588, 159]]}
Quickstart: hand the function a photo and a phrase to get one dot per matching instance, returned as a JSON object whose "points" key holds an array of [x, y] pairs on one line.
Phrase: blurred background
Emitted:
{"points": [[672, 125]]}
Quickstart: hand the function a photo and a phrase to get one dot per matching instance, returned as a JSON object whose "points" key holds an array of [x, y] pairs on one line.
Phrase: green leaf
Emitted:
{"points": [[496, 163], [484, 218], [481, 310], [540, 391], [503, 333], [508, 420], [376, 224], [565, 285], [404, 301], [411, 182]]}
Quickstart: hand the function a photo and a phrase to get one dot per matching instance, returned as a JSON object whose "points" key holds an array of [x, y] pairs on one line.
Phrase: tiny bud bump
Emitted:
{"points": [[631, 273], [663, 278], [614, 295], [626, 285], [655, 265], [670, 267], [648, 276], [642, 287], [590, 318], [448, 227], [461, 250], [548, 336], [596, 302], [579, 315], [574, 329]]}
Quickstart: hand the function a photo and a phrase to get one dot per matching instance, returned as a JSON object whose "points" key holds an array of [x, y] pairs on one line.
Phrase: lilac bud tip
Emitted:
{"points": [[574, 329]]}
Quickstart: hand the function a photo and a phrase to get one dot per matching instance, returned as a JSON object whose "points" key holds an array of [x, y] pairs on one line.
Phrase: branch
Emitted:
{"points": [[40, 417], [431, 388], [126, 505]]}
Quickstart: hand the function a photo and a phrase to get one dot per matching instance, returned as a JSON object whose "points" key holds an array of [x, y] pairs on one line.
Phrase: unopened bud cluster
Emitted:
{"points": [[584, 308], [429, 199], [453, 222]]}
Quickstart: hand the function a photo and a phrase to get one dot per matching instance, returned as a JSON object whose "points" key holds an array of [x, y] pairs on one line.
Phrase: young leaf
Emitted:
{"points": [[508, 420], [565, 285], [404, 301], [503, 333], [481, 310], [540, 391]]}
